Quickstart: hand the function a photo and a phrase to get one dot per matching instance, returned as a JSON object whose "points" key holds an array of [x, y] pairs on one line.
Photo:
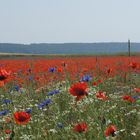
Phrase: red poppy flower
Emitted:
{"points": [[80, 127], [101, 95], [59, 69], [133, 65], [94, 83], [99, 81], [109, 70], [8, 119], [78, 90], [7, 131], [128, 98], [84, 69], [110, 130], [21, 118], [137, 89], [3, 74]]}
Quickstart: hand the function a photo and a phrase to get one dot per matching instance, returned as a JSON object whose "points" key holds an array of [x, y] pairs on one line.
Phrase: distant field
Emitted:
{"points": [[73, 97], [49, 56]]}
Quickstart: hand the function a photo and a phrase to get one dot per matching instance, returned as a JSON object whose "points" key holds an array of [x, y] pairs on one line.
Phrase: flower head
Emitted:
{"points": [[101, 95], [59, 69], [51, 69], [3, 74], [80, 127], [84, 69], [78, 90], [94, 84], [137, 90], [85, 78], [7, 131], [109, 70], [46, 102], [6, 101], [21, 118], [135, 97], [133, 65], [17, 88], [128, 98], [8, 119], [53, 92], [29, 111], [60, 125], [110, 130], [3, 113]]}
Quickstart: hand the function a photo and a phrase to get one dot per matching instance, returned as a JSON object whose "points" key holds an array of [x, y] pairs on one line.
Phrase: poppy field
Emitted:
{"points": [[80, 98]]}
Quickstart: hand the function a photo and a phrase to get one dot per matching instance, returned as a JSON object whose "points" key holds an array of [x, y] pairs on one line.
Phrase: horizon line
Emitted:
{"points": [[97, 42]]}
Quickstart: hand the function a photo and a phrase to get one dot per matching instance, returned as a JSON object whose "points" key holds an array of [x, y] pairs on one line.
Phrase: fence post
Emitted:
{"points": [[129, 45]]}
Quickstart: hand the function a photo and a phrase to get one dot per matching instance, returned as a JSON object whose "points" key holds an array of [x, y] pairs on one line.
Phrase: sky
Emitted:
{"points": [[63, 21]]}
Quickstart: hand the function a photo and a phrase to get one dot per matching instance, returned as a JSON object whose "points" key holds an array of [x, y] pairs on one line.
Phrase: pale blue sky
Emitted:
{"points": [[56, 21]]}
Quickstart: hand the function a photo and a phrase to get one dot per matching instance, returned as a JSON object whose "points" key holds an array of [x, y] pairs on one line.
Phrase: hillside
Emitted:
{"points": [[68, 48]]}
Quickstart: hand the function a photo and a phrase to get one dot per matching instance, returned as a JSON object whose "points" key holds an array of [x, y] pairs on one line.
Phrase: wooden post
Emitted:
{"points": [[129, 51]]}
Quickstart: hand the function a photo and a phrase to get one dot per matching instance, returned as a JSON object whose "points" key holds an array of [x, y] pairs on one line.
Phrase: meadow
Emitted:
{"points": [[70, 98]]}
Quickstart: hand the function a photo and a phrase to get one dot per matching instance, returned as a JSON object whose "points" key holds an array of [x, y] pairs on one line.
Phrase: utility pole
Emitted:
{"points": [[129, 45]]}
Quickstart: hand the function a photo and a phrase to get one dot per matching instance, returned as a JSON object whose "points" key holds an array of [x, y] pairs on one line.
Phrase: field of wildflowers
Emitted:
{"points": [[81, 98]]}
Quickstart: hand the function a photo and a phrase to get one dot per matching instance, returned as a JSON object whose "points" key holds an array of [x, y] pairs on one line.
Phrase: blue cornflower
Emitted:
{"points": [[17, 88], [30, 78], [60, 125], [53, 92], [5, 112], [29, 111], [6, 101], [46, 102], [85, 78], [51, 69], [134, 97]]}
